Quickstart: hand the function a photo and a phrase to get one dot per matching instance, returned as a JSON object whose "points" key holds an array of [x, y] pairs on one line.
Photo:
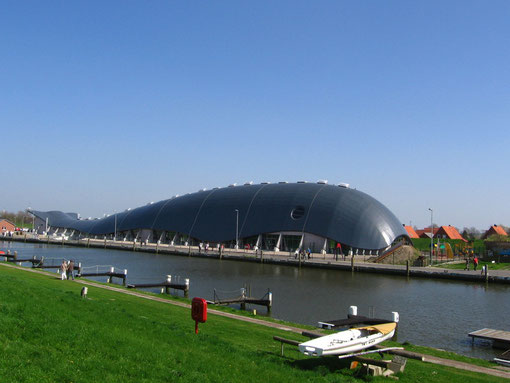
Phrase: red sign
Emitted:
{"points": [[198, 311]]}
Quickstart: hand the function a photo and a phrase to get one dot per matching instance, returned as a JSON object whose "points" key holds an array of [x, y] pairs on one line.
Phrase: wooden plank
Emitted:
{"points": [[487, 333], [288, 341]]}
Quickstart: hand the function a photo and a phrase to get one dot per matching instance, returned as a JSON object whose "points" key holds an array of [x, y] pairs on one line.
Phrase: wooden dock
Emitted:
{"points": [[166, 285], [243, 300], [351, 320], [499, 338], [111, 273]]}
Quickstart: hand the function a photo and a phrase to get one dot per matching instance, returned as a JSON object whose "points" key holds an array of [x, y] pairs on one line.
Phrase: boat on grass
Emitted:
{"points": [[349, 341]]}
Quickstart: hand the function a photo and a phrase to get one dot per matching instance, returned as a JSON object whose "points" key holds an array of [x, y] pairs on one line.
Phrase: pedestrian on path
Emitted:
{"points": [[70, 270], [475, 262], [467, 264], [63, 270]]}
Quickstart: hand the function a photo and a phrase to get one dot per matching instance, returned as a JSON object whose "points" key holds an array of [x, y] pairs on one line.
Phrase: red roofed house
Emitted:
{"points": [[448, 232], [6, 226], [425, 233], [494, 230], [411, 232]]}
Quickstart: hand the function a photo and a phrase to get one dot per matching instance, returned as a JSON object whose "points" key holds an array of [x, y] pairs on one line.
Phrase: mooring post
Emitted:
{"points": [[134, 245], [88, 242], [407, 268], [352, 262], [110, 278], [105, 242], [270, 300], [486, 273], [123, 278], [221, 252], [186, 282], [168, 280], [15, 256], [157, 247], [243, 297], [261, 257]]}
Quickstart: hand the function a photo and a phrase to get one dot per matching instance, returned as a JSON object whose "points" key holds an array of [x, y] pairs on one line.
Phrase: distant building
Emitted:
{"points": [[449, 232], [275, 217], [426, 233], [412, 233], [494, 230], [6, 226]]}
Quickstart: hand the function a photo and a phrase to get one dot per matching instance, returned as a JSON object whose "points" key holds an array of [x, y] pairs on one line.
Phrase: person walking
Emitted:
{"points": [[63, 270], [467, 264], [475, 262], [70, 270]]}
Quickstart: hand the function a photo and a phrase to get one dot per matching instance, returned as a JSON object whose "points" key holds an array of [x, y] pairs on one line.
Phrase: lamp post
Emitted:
{"points": [[237, 228], [431, 234], [115, 232]]}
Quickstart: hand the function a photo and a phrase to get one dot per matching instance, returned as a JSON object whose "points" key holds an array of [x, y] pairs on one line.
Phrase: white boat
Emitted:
{"points": [[348, 341], [503, 362]]}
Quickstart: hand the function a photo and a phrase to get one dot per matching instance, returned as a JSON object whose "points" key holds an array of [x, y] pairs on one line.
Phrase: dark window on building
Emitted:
{"points": [[298, 212]]}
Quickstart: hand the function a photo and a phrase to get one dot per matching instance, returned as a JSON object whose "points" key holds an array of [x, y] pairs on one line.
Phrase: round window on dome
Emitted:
{"points": [[298, 212]]}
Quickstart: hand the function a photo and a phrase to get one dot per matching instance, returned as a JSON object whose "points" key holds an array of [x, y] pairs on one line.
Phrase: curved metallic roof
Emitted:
{"points": [[342, 214]]}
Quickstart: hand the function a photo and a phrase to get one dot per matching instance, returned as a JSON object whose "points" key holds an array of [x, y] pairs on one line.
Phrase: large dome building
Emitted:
{"points": [[278, 217]]}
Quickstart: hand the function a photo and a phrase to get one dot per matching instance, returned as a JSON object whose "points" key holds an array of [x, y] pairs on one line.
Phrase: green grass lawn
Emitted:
{"points": [[50, 334]]}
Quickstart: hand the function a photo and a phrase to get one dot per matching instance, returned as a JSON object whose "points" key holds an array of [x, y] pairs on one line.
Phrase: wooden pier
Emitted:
{"points": [[110, 274], [500, 339], [351, 320], [243, 300], [166, 285]]}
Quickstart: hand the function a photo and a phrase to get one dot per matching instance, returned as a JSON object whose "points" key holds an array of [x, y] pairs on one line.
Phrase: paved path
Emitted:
{"points": [[500, 371]]}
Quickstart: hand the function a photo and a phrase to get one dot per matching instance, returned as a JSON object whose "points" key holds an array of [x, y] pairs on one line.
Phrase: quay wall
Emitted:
{"points": [[357, 264]]}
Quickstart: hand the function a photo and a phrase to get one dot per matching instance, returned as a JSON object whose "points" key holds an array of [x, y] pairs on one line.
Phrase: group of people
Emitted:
{"points": [[67, 270], [302, 253], [475, 263]]}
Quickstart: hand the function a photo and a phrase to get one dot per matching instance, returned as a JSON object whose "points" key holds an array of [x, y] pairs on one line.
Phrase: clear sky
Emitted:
{"points": [[106, 105]]}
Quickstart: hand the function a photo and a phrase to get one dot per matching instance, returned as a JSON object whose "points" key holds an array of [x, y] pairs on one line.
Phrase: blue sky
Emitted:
{"points": [[110, 105]]}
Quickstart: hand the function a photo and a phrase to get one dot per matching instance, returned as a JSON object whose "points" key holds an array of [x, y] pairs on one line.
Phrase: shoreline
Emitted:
{"points": [[496, 371]]}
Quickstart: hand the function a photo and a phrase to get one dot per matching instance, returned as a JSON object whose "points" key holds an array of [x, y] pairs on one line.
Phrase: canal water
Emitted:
{"points": [[434, 313]]}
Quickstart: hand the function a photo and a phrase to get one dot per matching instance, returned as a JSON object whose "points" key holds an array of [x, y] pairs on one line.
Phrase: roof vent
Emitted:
{"points": [[265, 183], [322, 182], [232, 185], [302, 182], [248, 183], [201, 190], [215, 188], [283, 182], [343, 185]]}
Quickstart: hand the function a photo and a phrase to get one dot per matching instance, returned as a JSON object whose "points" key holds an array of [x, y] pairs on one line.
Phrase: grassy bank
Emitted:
{"points": [[49, 333]]}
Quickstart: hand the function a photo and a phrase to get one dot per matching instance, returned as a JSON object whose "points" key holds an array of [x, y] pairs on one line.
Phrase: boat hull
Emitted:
{"points": [[345, 342]]}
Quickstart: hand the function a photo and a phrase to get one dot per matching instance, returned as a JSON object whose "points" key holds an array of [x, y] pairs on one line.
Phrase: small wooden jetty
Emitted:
{"points": [[111, 273], [353, 319], [243, 300], [166, 285], [499, 338]]}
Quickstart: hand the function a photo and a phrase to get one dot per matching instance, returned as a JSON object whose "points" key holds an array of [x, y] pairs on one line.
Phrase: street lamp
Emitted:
{"points": [[237, 228], [115, 232], [431, 234]]}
